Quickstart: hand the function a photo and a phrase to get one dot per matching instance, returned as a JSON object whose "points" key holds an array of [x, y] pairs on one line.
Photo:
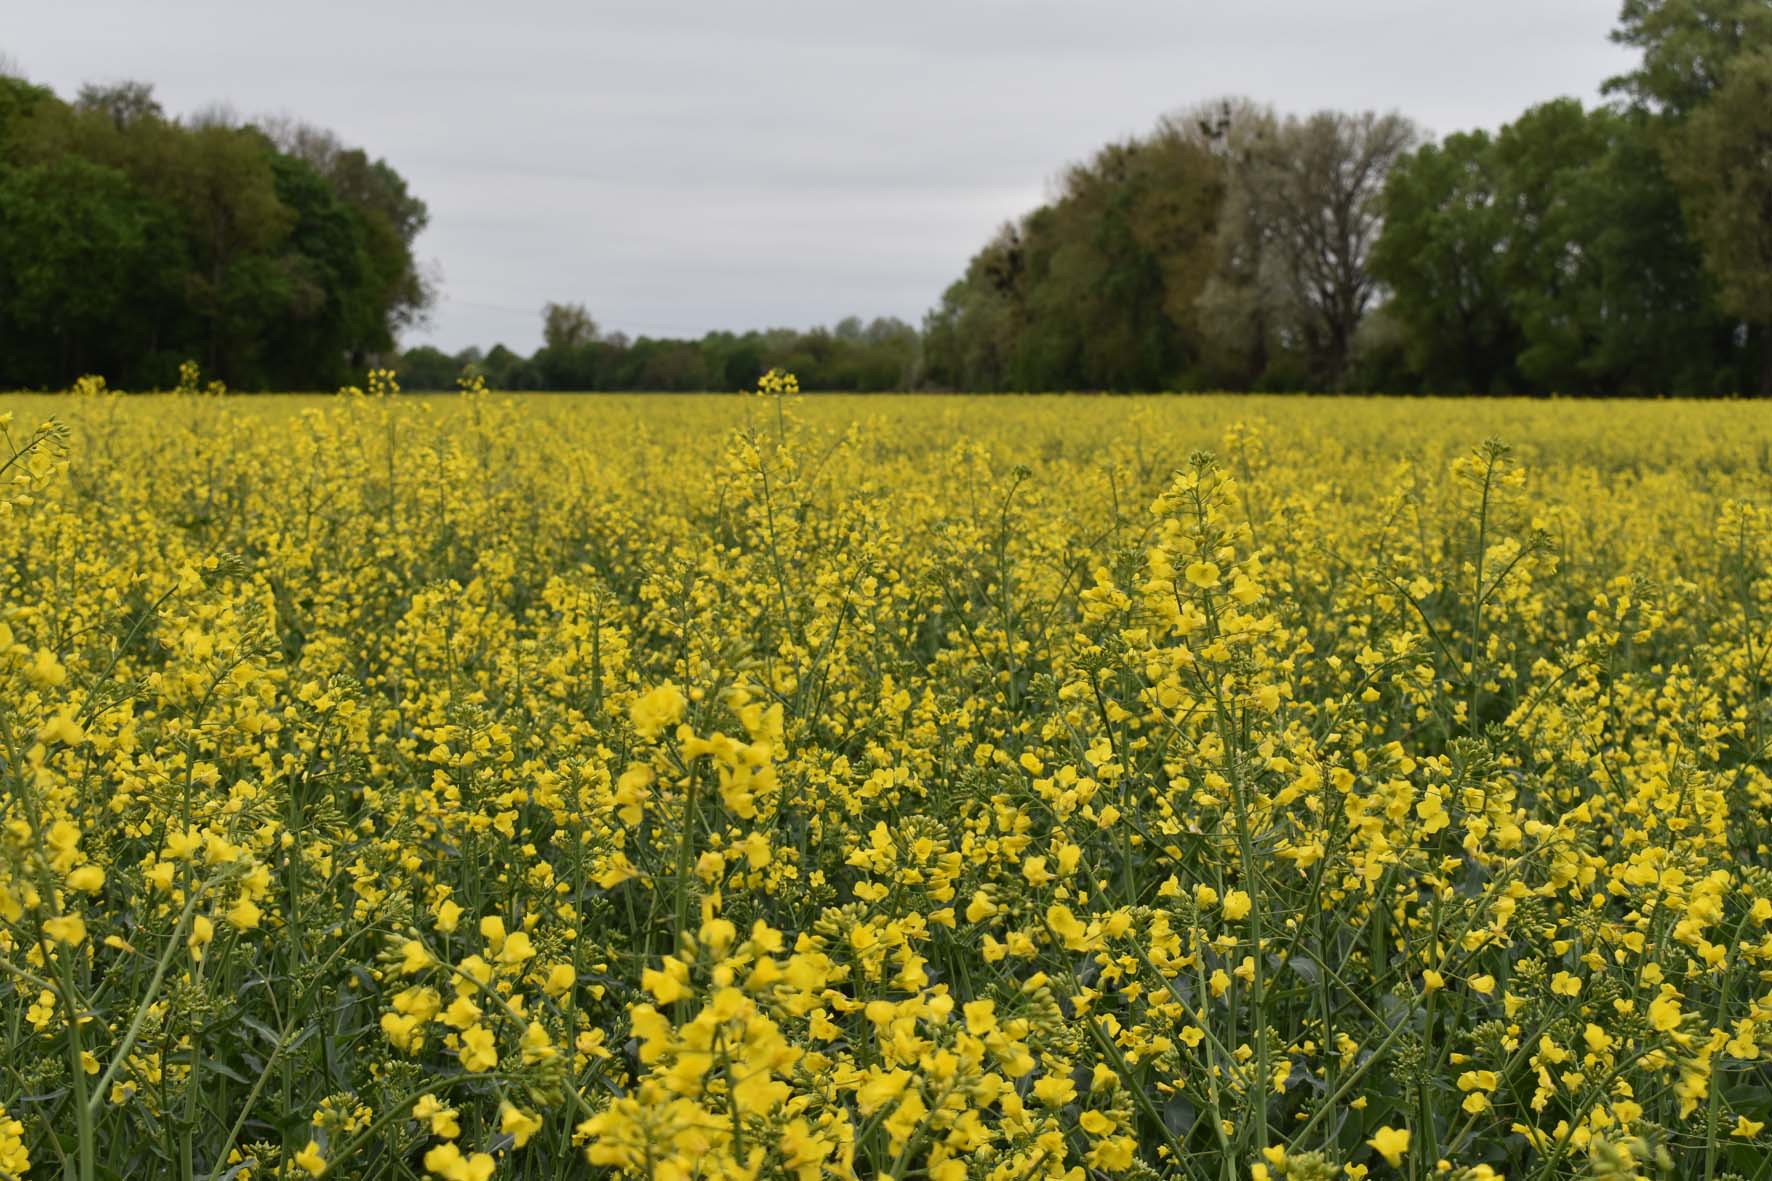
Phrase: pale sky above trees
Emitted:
{"points": [[679, 167]]}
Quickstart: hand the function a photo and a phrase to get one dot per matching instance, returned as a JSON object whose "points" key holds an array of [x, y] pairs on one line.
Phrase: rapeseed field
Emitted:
{"points": [[959, 789]]}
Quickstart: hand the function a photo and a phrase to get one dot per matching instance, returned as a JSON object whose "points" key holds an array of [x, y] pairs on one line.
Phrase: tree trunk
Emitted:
{"points": [[1765, 335]]}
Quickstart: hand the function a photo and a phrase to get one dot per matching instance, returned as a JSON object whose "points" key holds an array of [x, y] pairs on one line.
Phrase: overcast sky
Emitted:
{"points": [[680, 167]]}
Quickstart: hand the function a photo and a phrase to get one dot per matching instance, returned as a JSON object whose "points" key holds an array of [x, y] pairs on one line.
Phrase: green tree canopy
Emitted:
{"points": [[130, 242]]}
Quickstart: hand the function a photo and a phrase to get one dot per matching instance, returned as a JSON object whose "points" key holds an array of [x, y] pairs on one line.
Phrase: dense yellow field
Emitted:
{"points": [[948, 788]]}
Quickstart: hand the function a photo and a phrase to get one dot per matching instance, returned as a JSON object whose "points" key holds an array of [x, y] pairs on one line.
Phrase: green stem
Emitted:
{"points": [[147, 1002]]}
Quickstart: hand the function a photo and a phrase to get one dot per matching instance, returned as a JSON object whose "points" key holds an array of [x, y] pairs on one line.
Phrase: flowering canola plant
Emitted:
{"points": [[722, 788]]}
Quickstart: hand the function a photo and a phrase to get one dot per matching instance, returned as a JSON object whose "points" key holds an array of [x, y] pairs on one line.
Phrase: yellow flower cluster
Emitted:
{"points": [[952, 789]]}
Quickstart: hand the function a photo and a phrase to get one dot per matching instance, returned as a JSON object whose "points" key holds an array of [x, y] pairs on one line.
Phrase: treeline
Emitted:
{"points": [[1626, 249], [576, 355], [1225, 250], [271, 254]]}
